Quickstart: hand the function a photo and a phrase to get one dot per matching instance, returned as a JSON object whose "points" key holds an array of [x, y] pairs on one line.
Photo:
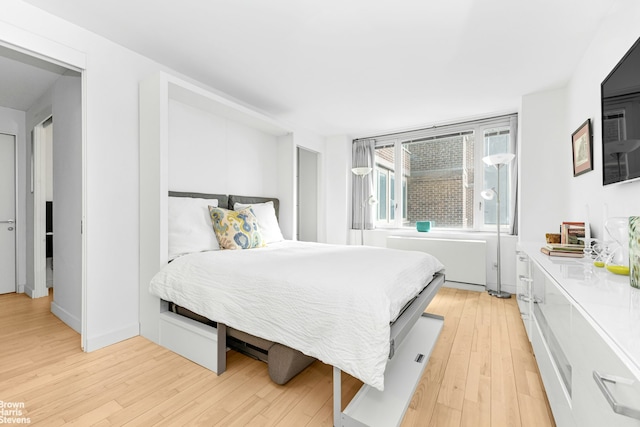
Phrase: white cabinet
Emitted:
{"points": [[584, 339], [551, 342], [523, 289], [595, 368]]}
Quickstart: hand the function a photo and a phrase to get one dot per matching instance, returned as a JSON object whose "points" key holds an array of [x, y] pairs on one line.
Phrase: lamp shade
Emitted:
{"points": [[488, 194], [498, 159], [361, 171]]}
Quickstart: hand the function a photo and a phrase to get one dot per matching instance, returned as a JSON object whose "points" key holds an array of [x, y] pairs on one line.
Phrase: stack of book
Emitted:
{"points": [[565, 250]]}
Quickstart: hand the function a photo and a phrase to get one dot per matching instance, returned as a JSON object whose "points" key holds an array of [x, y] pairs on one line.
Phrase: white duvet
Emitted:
{"points": [[332, 302]]}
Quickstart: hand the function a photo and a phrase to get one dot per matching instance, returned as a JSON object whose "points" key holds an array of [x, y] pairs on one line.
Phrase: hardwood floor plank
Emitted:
{"points": [[534, 411], [481, 373], [445, 416], [504, 401], [452, 388], [477, 413]]}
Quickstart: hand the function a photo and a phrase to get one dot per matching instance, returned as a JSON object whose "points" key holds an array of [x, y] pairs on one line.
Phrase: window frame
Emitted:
{"points": [[478, 127]]}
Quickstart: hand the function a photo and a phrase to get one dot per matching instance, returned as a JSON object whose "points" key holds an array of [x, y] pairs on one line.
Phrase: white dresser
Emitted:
{"points": [[584, 326]]}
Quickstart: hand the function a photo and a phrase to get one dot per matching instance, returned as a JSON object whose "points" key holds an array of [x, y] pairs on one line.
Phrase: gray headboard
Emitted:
{"points": [[233, 199], [225, 201]]}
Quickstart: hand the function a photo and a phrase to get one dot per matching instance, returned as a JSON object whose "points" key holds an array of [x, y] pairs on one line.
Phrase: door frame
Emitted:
{"points": [[38, 182], [15, 208]]}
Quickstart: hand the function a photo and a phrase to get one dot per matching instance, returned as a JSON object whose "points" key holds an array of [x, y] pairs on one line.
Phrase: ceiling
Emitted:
{"points": [[356, 67], [24, 79]]}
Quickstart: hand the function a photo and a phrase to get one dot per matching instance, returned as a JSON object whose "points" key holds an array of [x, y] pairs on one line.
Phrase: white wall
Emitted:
{"points": [[337, 170], [13, 122], [543, 181], [616, 35], [550, 193], [67, 207], [209, 154], [287, 186]]}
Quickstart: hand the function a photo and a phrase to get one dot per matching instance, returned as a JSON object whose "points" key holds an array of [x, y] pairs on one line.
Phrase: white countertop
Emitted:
{"points": [[605, 299]]}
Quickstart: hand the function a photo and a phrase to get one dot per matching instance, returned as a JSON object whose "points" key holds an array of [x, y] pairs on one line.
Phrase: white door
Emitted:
{"points": [[7, 214]]}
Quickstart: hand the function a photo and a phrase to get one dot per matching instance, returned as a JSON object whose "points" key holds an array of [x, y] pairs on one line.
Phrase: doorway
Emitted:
{"points": [[307, 172], [7, 213], [56, 91]]}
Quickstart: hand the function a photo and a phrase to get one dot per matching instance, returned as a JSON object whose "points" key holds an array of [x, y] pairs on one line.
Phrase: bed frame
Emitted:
{"points": [[412, 338]]}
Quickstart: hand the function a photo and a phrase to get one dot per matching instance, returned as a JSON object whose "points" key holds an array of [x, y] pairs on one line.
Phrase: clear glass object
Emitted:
{"points": [[600, 253], [634, 255], [588, 251], [618, 260]]}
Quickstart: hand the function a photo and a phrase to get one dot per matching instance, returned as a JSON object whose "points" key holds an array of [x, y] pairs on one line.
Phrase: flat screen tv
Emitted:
{"points": [[620, 94]]}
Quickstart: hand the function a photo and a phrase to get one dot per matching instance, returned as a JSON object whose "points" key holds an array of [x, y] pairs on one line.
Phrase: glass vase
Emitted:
{"points": [[618, 260], [634, 251], [600, 253]]}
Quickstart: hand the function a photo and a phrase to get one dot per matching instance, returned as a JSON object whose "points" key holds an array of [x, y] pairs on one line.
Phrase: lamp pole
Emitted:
{"points": [[498, 292], [497, 161], [362, 209]]}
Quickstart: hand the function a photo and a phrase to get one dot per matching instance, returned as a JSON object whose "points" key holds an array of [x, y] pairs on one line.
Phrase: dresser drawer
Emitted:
{"points": [[594, 371], [552, 314], [559, 399], [192, 340], [523, 289]]}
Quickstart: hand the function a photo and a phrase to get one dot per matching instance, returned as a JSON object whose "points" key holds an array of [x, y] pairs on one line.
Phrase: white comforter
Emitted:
{"points": [[331, 302]]}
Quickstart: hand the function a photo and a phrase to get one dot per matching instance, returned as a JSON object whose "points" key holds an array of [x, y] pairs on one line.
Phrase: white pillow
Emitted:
{"points": [[190, 227], [267, 221]]}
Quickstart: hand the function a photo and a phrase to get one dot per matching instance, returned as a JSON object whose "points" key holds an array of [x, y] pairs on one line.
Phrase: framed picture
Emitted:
{"points": [[582, 148]]}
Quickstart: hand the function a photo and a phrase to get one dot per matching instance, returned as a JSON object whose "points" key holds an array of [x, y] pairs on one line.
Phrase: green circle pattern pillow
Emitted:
{"points": [[236, 229]]}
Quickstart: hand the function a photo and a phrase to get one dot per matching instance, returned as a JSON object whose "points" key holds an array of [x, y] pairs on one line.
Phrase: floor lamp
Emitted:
{"points": [[362, 172], [497, 161]]}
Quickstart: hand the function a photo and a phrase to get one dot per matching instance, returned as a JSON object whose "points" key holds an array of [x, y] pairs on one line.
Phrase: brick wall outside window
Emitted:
{"points": [[436, 181]]}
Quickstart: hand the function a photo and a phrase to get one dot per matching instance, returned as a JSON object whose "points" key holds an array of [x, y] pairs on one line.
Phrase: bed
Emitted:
{"points": [[353, 315]]}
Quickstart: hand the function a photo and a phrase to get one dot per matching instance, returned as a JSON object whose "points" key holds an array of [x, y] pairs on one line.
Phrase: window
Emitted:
{"points": [[438, 174], [496, 141]]}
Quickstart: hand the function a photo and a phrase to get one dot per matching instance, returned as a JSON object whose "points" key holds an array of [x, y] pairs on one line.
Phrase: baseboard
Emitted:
{"points": [[21, 289], [478, 288], [69, 319], [104, 340], [29, 291], [464, 286]]}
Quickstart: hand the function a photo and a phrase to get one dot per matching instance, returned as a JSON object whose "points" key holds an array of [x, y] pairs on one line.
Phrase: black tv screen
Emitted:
{"points": [[620, 93]]}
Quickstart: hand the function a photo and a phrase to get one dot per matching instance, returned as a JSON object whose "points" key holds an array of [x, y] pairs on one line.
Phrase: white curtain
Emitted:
{"points": [[363, 155]]}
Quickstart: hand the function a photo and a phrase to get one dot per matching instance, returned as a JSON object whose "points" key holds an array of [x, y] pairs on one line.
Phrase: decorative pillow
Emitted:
{"points": [[190, 226], [267, 221], [236, 229]]}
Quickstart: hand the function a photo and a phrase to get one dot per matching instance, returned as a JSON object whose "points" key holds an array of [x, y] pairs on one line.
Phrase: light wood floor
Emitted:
{"points": [[481, 373]]}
